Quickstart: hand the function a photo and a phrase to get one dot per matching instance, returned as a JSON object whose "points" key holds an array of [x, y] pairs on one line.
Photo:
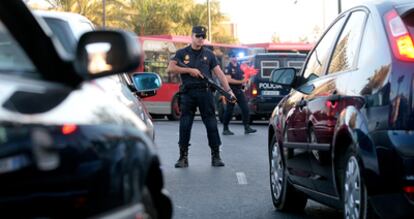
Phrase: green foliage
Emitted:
{"points": [[150, 17]]}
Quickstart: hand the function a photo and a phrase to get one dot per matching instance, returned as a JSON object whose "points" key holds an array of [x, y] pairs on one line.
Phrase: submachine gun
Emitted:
{"points": [[213, 84]]}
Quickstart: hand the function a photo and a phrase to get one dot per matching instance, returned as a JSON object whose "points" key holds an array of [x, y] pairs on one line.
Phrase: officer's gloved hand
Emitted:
{"points": [[233, 99]]}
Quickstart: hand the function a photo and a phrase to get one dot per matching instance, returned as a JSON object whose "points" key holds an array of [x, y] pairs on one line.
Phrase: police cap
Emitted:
{"points": [[199, 30]]}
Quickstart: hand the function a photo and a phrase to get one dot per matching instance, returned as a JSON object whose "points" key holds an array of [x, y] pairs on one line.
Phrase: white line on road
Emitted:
{"points": [[241, 178]]}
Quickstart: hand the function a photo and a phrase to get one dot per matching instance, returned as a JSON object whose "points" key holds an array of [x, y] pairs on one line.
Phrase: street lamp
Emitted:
{"points": [[103, 14], [209, 20], [339, 6]]}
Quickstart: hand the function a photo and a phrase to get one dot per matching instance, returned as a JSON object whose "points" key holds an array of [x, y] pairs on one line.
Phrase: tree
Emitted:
{"points": [[276, 38], [149, 17], [316, 33], [93, 10], [304, 39]]}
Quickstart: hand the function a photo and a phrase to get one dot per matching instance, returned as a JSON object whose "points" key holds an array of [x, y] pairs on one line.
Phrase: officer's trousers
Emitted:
{"points": [[242, 102], [189, 101]]}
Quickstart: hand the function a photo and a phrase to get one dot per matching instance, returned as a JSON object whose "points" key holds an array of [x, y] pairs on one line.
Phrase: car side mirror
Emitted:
{"points": [[146, 83], [284, 76], [106, 52]]}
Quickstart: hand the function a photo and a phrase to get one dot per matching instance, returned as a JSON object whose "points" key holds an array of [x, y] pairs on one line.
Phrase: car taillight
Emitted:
{"points": [[409, 191], [400, 39], [254, 90], [68, 129], [330, 104]]}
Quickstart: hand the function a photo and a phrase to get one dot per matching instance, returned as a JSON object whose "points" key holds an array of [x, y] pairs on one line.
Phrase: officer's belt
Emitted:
{"points": [[197, 86]]}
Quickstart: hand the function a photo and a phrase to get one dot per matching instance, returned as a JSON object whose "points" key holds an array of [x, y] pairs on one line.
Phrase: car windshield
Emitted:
{"points": [[13, 60]]}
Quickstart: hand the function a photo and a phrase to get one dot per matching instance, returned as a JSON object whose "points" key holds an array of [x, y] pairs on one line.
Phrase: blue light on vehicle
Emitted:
{"points": [[240, 55]]}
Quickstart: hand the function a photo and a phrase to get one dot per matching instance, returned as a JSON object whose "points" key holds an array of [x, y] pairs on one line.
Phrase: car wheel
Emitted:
{"points": [[175, 110], [355, 197], [156, 116], [148, 203], [284, 196]]}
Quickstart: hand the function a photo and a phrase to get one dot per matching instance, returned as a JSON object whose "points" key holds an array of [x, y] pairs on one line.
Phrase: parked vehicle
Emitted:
{"points": [[69, 150], [344, 135], [261, 94], [68, 27]]}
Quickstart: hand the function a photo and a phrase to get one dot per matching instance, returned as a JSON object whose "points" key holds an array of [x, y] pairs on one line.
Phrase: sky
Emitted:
{"points": [[258, 20]]}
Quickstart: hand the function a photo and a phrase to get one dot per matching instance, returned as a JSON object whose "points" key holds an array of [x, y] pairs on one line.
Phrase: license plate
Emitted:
{"points": [[14, 163], [270, 92]]}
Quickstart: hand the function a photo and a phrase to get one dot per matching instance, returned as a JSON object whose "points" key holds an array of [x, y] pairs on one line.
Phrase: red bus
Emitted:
{"points": [[158, 50], [288, 47]]}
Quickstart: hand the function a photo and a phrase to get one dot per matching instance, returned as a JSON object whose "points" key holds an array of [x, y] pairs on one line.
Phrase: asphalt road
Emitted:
{"points": [[238, 190]]}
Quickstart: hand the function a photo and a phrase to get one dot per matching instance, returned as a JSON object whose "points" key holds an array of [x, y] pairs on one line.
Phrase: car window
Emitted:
{"points": [[297, 64], [63, 32], [346, 49], [319, 56], [266, 68], [13, 59]]}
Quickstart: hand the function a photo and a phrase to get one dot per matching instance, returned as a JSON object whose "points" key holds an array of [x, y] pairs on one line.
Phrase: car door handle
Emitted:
{"points": [[302, 103], [334, 98]]}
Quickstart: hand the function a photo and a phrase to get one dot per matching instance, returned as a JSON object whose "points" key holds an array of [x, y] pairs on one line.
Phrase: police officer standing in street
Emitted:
{"points": [[235, 77], [193, 63]]}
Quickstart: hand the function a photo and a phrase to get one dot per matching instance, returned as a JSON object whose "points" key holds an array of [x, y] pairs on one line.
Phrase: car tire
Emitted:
{"points": [[284, 196], [148, 203], [160, 201], [354, 189], [156, 116], [175, 110]]}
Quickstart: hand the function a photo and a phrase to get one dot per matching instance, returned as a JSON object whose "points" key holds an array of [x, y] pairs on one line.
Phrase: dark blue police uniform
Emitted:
{"points": [[236, 73], [194, 92]]}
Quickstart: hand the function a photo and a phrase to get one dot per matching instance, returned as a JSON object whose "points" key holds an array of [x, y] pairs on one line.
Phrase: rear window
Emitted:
{"points": [[295, 64], [266, 68]]}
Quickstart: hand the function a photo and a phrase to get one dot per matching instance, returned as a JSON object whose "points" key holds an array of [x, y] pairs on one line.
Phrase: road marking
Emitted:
{"points": [[241, 178]]}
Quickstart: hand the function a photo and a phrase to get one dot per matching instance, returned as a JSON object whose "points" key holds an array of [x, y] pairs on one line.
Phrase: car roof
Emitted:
{"points": [[402, 6], [67, 16]]}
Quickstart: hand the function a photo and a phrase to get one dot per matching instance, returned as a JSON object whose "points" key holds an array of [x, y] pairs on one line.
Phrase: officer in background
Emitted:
{"points": [[193, 63], [235, 77]]}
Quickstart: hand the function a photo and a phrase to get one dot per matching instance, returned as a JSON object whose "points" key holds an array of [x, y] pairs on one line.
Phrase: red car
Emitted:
{"points": [[344, 135]]}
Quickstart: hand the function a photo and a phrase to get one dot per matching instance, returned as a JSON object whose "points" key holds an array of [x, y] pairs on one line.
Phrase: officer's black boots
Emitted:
{"points": [[248, 129], [215, 157], [182, 162], [226, 130]]}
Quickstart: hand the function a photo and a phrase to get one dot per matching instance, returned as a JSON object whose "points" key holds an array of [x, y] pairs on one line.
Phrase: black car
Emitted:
{"points": [[68, 150], [344, 135]]}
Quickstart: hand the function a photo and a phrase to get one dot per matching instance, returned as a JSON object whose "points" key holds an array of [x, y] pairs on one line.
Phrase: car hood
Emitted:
{"points": [[30, 102]]}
